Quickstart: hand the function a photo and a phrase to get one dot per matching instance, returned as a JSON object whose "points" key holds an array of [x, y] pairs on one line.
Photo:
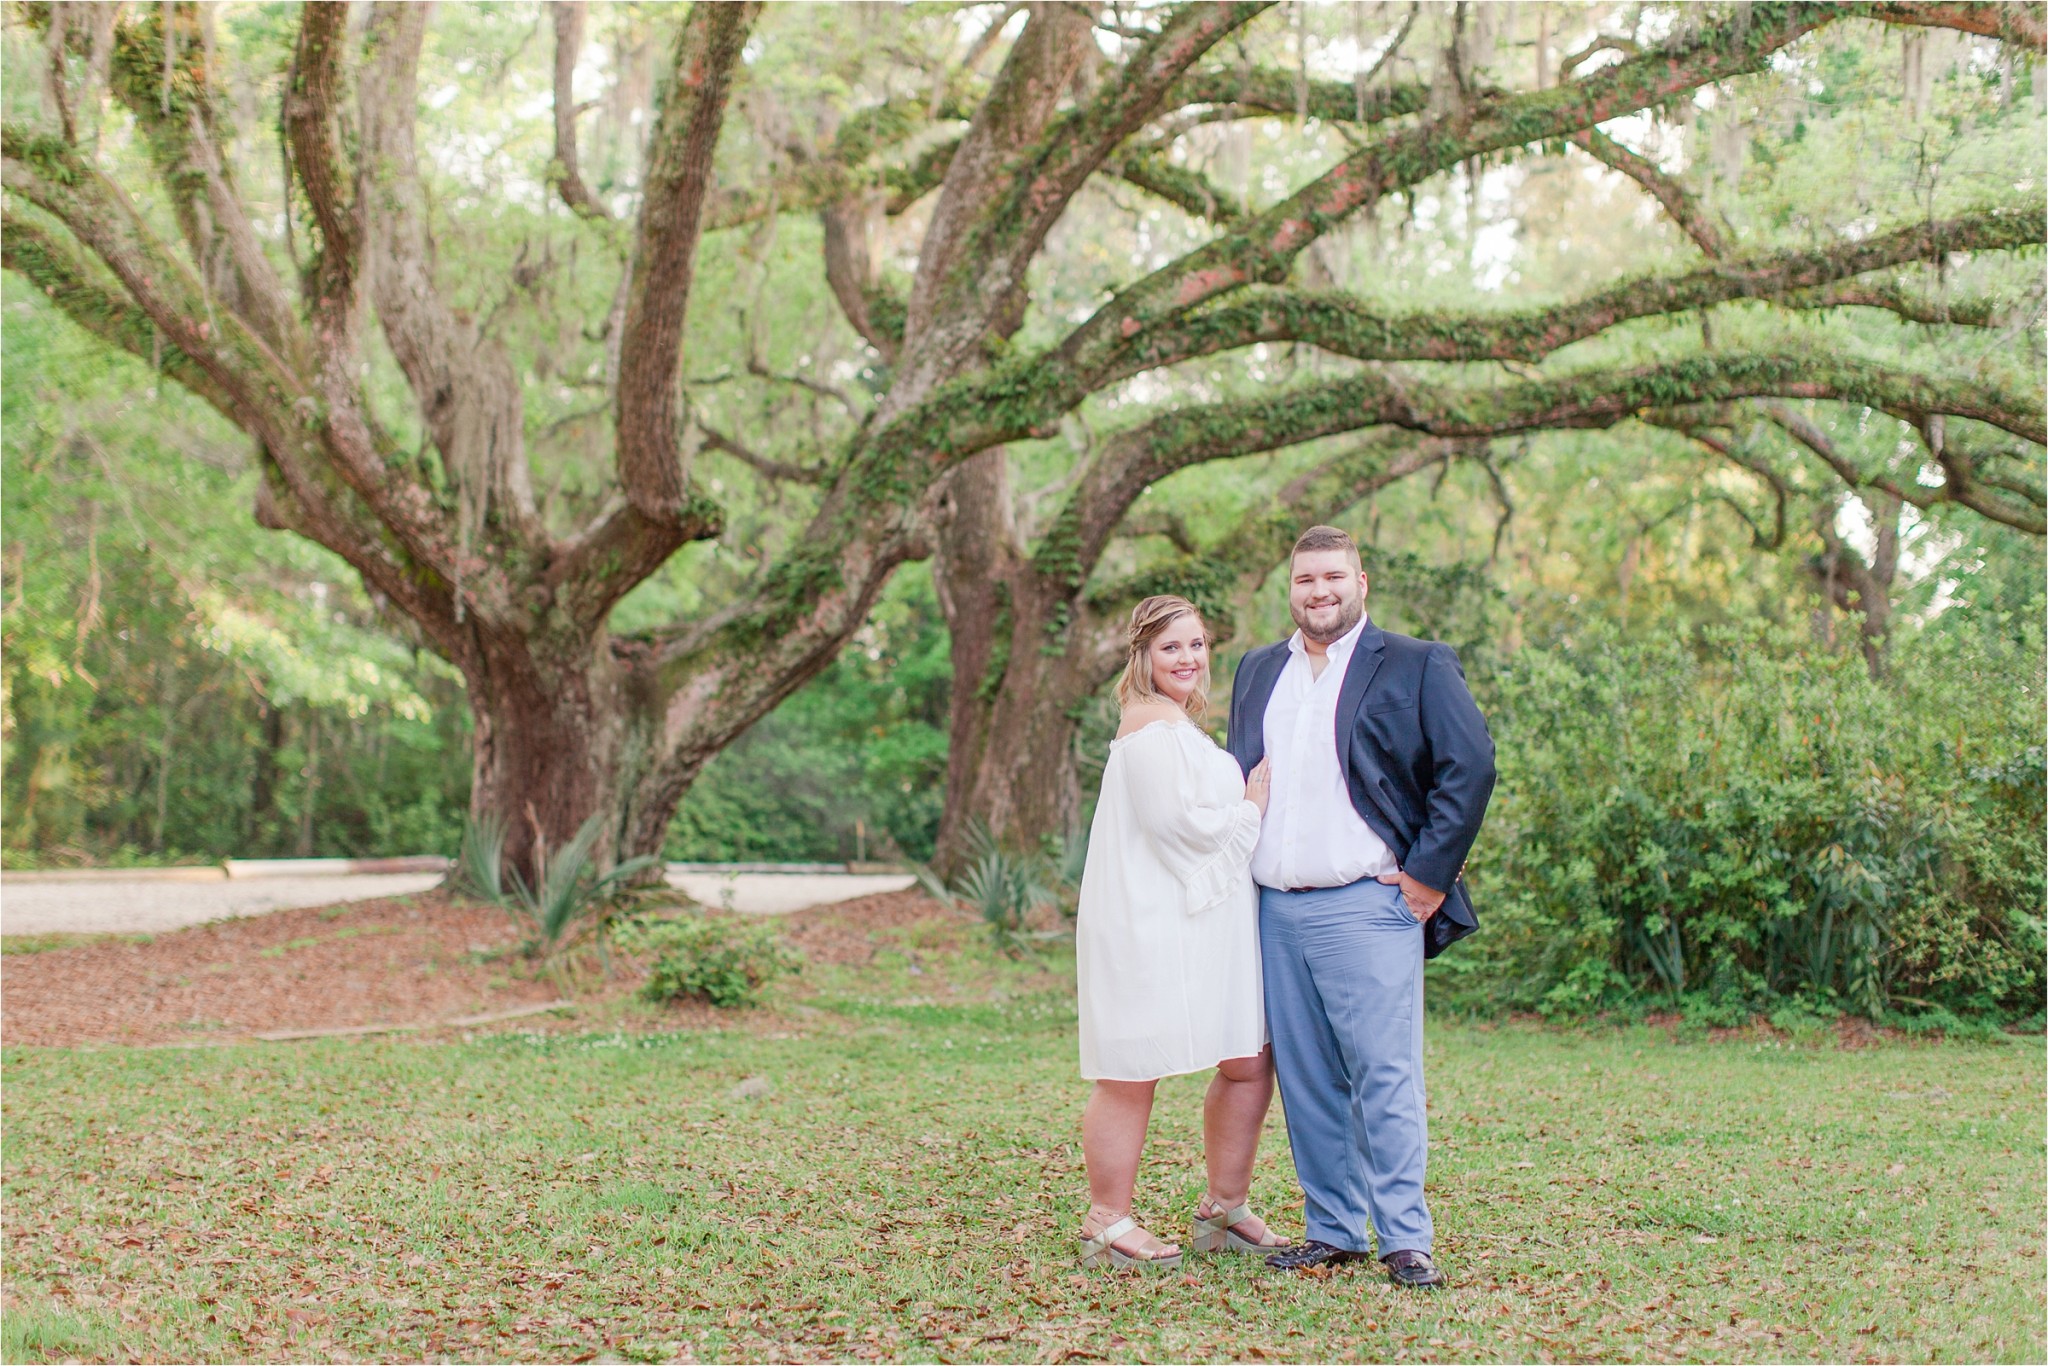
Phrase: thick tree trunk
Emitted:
{"points": [[1024, 665], [975, 572], [555, 725], [1012, 765]]}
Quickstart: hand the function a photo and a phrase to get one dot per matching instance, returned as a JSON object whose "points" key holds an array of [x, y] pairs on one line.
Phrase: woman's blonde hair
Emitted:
{"points": [[1148, 619]]}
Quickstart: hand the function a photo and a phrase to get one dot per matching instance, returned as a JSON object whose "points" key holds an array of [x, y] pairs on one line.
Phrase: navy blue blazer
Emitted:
{"points": [[1417, 756]]}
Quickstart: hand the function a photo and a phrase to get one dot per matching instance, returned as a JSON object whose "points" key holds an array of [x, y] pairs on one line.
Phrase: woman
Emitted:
{"points": [[1169, 947]]}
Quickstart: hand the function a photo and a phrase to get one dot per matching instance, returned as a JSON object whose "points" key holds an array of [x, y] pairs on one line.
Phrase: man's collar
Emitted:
{"points": [[1338, 649]]}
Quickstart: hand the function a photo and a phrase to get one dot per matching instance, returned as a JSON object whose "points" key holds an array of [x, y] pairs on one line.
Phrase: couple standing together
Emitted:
{"points": [[1287, 889]]}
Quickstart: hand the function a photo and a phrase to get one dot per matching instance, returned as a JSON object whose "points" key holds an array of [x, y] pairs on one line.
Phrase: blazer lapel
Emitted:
{"points": [[1258, 692], [1365, 662]]}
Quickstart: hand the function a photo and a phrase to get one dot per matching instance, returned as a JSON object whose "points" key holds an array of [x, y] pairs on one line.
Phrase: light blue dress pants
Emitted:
{"points": [[1343, 970]]}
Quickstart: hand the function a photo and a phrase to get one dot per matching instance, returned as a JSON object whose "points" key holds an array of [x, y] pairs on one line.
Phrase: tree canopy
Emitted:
{"points": [[571, 404]]}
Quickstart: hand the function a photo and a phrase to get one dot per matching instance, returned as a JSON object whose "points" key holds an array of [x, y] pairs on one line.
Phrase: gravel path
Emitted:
{"points": [[148, 906], [780, 893]]}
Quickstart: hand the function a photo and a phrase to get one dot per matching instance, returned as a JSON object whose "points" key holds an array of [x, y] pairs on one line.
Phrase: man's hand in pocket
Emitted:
{"points": [[1422, 900]]}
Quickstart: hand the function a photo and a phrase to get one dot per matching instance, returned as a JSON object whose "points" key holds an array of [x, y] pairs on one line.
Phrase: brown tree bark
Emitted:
{"points": [[1023, 666]]}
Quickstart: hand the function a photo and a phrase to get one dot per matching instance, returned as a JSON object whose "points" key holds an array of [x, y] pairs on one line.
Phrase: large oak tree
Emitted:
{"points": [[574, 718]]}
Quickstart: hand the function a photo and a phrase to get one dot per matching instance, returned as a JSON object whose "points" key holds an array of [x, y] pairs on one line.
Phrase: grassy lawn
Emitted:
{"points": [[887, 1166]]}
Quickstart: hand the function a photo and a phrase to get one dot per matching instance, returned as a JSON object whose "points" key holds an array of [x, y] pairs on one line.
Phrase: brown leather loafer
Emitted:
{"points": [[1413, 1269]]}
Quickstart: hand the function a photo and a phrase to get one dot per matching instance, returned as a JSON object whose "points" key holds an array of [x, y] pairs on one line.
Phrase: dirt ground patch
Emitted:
{"points": [[845, 932], [400, 961]]}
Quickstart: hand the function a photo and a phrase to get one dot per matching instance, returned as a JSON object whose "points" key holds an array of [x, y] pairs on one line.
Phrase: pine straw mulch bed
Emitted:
{"points": [[404, 960]]}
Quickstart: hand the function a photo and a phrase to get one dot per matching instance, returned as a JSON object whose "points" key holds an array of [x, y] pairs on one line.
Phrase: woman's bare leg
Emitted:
{"points": [[1112, 1138], [1233, 1114]]}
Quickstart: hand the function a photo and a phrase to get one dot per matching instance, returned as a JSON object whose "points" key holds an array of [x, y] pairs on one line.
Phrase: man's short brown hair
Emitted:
{"points": [[1327, 538]]}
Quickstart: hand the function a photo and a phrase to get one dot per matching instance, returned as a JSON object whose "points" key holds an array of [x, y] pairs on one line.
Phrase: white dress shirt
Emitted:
{"points": [[1312, 836]]}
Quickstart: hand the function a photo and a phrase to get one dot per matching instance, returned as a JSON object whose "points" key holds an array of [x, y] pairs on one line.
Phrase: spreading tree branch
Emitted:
{"points": [[2017, 23], [1341, 325], [664, 259], [1077, 146], [1933, 311], [1679, 205], [85, 293], [1152, 170], [811, 182], [332, 284], [1223, 93], [467, 390], [1138, 524], [984, 43], [849, 274], [159, 68], [567, 173], [1568, 65], [1027, 396], [56, 178], [1269, 90], [1018, 169], [716, 440], [1138, 457], [947, 293], [914, 180], [658, 511], [1149, 167], [312, 104], [1959, 487], [353, 514], [1263, 248], [1737, 453]]}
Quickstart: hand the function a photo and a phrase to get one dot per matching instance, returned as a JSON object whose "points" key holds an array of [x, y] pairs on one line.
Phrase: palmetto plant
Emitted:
{"points": [[1067, 858], [567, 887], [568, 890], [480, 867], [1000, 885]]}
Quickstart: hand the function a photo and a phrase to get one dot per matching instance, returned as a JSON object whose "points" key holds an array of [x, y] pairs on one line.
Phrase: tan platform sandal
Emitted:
{"points": [[1218, 1233], [1097, 1252]]}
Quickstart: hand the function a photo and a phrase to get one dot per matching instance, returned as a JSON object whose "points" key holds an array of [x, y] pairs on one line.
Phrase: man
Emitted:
{"points": [[1381, 770]]}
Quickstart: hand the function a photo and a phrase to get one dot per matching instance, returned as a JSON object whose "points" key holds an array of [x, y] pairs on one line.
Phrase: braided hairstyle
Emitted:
{"points": [[1148, 619]]}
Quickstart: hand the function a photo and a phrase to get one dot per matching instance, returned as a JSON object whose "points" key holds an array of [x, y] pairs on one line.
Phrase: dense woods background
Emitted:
{"points": [[1762, 647]]}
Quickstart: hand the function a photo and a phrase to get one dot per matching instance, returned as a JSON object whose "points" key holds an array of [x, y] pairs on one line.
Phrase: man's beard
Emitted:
{"points": [[1349, 610]]}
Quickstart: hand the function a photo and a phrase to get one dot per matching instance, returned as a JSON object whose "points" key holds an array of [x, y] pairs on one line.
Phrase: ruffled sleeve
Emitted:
{"points": [[1207, 847]]}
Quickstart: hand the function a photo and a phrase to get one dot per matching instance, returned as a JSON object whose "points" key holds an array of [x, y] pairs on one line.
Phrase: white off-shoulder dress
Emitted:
{"points": [[1168, 931]]}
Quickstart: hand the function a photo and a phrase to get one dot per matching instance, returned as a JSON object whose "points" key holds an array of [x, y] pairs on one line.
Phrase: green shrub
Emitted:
{"points": [[723, 959], [1743, 820]]}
